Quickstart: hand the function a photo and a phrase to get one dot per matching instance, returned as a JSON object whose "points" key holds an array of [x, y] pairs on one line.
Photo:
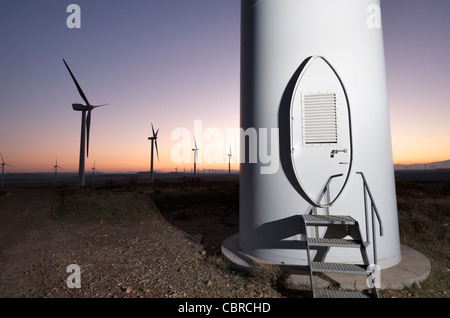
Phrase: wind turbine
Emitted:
{"points": [[93, 172], [229, 164], [56, 166], [85, 126], [154, 143], [195, 149], [3, 168]]}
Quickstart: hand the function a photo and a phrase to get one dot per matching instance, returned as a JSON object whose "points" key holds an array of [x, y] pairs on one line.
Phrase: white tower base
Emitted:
{"points": [[277, 38]]}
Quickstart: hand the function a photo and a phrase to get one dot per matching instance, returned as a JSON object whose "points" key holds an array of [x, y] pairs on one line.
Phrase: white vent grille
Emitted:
{"points": [[319, 119]]}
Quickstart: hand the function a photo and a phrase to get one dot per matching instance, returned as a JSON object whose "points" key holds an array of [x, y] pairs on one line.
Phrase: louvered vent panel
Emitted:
{"points": [[319, 119]]}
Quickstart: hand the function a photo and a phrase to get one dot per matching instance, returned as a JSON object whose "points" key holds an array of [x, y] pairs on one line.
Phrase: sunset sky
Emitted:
{"points": [[172, 62]]}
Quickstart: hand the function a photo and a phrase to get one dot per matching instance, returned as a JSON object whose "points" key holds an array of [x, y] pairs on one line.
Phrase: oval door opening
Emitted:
{"points": [[321, 139]]}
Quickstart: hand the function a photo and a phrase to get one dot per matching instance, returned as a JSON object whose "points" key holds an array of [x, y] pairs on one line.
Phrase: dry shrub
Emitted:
{"points": [[267, 273], [424, 218]]}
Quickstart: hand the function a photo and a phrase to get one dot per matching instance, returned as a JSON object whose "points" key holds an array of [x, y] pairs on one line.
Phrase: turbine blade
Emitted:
{"points": [[157, 133], [195, 143], [3, 160], [88, 129], [76, 84], [97, 106], [156, 144], [153, 131]]}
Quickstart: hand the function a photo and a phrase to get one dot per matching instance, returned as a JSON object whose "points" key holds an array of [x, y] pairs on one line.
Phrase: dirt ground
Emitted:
{"points": [[119, 256], [169, 247]]}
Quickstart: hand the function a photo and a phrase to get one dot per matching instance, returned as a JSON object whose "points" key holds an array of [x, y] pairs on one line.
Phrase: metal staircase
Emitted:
{"points": [[341, 231]]}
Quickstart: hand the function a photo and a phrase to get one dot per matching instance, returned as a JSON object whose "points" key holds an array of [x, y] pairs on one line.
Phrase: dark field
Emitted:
{"points": [[208, 210], [424, 217]]}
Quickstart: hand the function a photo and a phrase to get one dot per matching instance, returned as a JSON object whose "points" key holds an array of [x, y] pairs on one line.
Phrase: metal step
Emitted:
{"points": [[333, 293], [324, 267], [328, 219], [334, 242], [341, 224]]}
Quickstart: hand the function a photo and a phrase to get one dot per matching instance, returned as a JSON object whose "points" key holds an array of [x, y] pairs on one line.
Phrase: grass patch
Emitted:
{"points": [[205, 196]]}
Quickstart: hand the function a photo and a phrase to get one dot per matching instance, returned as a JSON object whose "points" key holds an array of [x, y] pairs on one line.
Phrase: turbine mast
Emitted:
{"points": [[151, 163], [229, 165], [3, 169], [195, 149], [154, 143], [56, 169], [81, 175], [3, 175]]}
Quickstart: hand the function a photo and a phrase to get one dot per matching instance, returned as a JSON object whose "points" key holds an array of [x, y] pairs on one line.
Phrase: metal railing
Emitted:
{"points": [[373, 209], [374, 213], [325, 190]]}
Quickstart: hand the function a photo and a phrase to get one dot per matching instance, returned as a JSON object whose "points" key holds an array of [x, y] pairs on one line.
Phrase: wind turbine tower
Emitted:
{"points": [[154, 144], [85, 127], [195, 150], [330, 118], [3, 169], [93, 172], [229, 165], [56, 166]]}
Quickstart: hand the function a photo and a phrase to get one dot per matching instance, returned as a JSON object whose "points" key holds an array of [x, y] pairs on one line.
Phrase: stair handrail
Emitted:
{"points": [[325, 189], [374, 210]]}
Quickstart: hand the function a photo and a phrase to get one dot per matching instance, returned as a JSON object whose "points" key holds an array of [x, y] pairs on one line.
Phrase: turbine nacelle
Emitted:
{"points": [[81, 107]]}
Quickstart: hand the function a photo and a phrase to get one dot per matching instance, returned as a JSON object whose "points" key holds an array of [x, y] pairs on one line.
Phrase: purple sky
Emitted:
{"points": [[171, 62]]}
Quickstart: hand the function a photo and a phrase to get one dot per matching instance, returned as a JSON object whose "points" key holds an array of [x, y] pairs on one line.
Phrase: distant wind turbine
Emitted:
{"points": [[195, 150], [154, 143], [56, 166], [229, 164], [93, 172], [3, 169], [85, 126]]}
